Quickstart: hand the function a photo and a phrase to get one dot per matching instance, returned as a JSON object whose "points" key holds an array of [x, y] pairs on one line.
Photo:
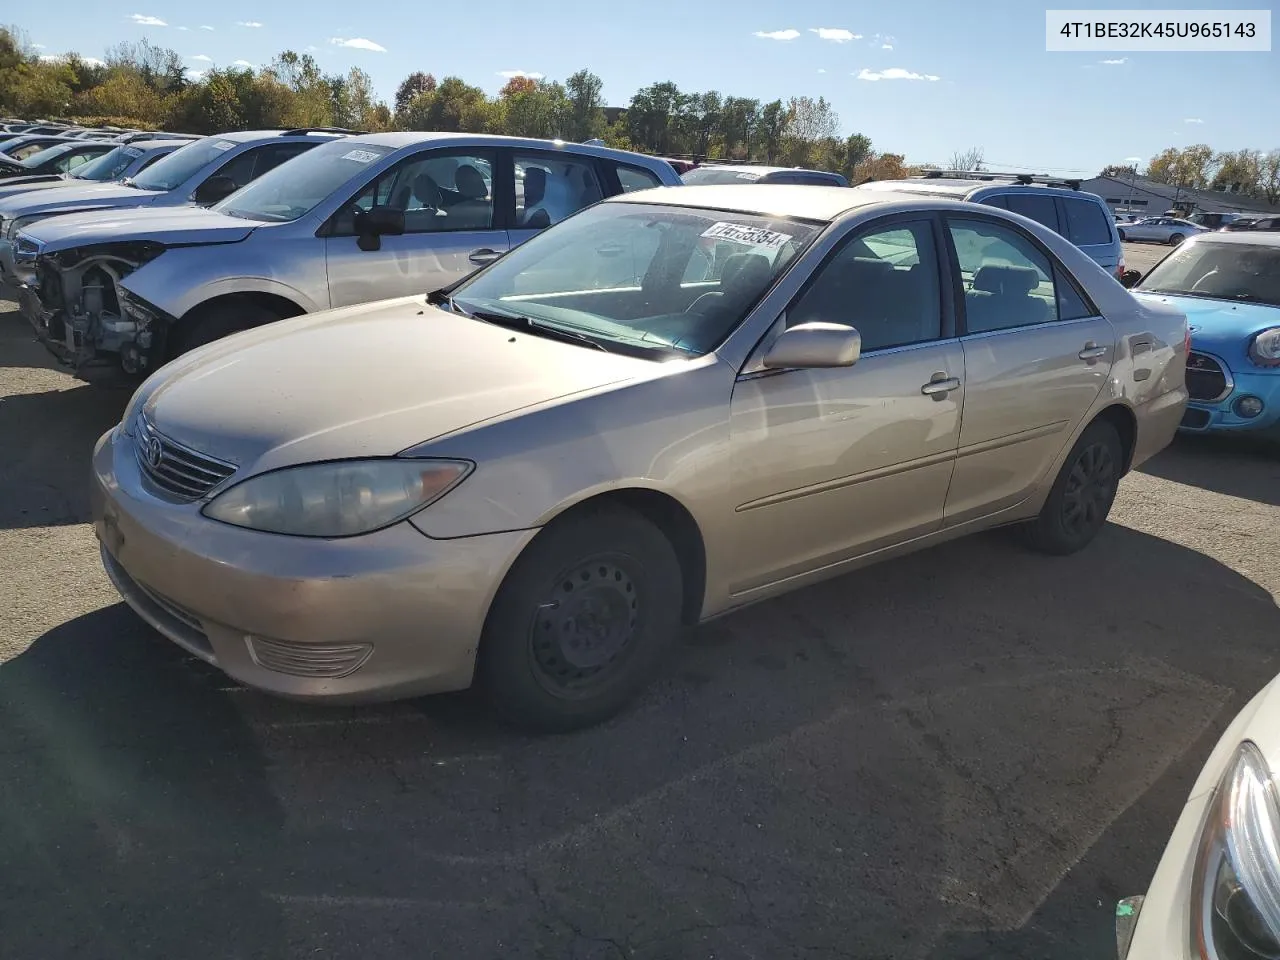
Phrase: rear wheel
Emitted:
{"points": [[1082, 495], [218, 320], [583, 620], [1176, 239]]}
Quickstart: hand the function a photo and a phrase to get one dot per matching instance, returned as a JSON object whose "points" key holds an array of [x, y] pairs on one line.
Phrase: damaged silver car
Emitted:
{"points": [[60, 296], [367, 218]]}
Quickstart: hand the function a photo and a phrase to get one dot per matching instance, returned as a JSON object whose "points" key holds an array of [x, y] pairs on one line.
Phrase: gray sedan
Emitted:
{"points": [[1170, 230]]}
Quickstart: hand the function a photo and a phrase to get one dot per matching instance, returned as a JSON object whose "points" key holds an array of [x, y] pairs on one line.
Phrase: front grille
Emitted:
{"points": [[1206, 378], [176, 470], [326, 661]]}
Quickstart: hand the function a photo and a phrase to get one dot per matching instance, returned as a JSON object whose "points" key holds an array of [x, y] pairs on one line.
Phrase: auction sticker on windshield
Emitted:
{"points": [[748, 236], [361, 156], [224, 145]]}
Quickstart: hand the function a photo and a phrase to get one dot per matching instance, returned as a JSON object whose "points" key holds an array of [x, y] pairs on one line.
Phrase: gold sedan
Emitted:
{"points": [[672, 404]]}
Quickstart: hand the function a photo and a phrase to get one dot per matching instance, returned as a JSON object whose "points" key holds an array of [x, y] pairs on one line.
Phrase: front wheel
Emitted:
{"points": [[1122, 237], [582, 621], [215, 321], [1082, 495]]}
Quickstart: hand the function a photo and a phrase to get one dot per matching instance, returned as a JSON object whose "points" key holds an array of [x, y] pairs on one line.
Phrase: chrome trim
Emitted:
{"points": [[178, 471]]}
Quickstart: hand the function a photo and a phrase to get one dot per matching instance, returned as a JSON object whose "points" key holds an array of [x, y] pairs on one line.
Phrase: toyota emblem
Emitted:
{"points": [[154, 452]]}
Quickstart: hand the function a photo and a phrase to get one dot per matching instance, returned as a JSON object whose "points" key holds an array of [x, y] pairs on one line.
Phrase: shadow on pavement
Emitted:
{"points": [[1243, 467], [902, 762], [134, 806], [47, 439]]}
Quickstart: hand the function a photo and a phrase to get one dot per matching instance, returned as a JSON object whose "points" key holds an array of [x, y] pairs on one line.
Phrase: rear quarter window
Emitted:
{"points": [[995, 200], [1086, 223], [1039, 208]]}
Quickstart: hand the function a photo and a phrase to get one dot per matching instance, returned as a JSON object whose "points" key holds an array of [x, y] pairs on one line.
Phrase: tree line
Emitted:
{"points": [[1247, 172], [144, 85]]}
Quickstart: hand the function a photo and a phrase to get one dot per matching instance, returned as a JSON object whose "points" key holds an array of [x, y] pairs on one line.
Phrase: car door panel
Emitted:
{"points": [[405, 265]]}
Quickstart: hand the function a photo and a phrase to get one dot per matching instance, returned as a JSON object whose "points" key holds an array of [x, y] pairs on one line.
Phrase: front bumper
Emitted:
{"points": [[1220, 416], [388, 615]]}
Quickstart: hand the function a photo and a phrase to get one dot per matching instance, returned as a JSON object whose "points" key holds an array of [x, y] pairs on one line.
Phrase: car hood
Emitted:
{"points": [[86, 197], [12, 186], [370, 380], [1218, 324], [167, 225]]}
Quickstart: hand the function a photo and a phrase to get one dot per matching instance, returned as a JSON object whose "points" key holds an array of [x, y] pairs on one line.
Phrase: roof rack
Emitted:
{"points": [[1025, 179], [300, 131]]}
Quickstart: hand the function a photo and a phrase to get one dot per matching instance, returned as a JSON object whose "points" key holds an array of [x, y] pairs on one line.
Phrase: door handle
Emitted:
{"points": [[484, 255], [1091, 352], [940, 386]]}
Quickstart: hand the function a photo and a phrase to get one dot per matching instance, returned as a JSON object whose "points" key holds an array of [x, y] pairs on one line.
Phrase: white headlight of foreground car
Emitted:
{"points": [[339, 499], [1265, 349], [1235, 892]]}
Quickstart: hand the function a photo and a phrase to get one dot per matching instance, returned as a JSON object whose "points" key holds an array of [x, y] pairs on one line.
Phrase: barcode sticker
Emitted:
{"points": [[748, 236]]}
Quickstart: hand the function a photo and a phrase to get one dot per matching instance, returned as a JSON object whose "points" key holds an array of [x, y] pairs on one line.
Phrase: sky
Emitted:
{"points": [[924, 78]]}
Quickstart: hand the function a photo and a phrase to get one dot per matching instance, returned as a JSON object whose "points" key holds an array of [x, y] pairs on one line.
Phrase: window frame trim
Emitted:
{"points": [[597, 166], [1056, 267]]}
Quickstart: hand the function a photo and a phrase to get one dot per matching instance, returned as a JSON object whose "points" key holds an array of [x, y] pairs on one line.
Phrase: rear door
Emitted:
{"points": [[1036, 356], [549, 186], [451, 200]]}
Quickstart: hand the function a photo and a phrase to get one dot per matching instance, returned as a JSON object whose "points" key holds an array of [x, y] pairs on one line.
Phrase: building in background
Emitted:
{"points": [[1148, 198]]}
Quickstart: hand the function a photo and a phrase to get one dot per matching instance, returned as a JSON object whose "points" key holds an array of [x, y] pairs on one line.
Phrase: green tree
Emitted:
{"points": [[585, 92], [411, 86], [1269, 177], [770, 130]]}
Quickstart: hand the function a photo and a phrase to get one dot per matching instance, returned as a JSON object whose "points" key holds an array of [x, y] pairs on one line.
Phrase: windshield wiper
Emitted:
{"points": [[517, 321]]}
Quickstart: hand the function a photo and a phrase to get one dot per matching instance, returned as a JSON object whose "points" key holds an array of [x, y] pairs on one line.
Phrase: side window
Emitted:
{"points": [[1008, 280], [438, 191], [256, 161], [884, 282], [550, 187], [995, 200], [150, 160], [1071, 304], [1086, 223], [635, 178], [1040, 208]]}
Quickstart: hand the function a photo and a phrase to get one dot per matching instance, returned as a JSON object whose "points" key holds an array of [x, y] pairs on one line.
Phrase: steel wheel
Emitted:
{"points": [[588, 623]]}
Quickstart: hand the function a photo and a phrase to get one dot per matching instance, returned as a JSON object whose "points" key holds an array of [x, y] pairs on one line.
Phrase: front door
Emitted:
{"points": [[447, 197], [1036, 356], [829, 464]]}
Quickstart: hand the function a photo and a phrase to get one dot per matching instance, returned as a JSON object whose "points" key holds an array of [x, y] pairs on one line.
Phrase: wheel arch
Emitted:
{"points": [[1126, 425]]}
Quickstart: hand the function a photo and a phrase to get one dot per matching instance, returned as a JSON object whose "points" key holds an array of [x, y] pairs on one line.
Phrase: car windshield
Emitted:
{"points": [[1219, 271], [652, 280], [182, 164], [48, 153], [109, 166], [704, 176], [293, 189]]}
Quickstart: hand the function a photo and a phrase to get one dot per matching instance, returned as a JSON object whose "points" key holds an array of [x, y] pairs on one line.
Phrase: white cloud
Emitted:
{"points": [[886, 46], [184, 29], [1193, 120], [512, 74], [201, 56], [195, 75], [38, 46], [50, 58], [147, 21], [835, 34], [822, 69], [894, 73], [311, 48], [1113, 63], [358, 43], [241, 63], [248, 23], [205, 26], [777, 34], [93, 62]]}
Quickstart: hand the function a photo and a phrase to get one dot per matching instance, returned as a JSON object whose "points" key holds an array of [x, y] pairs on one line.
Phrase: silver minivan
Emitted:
{"points": [[1083, 218]]}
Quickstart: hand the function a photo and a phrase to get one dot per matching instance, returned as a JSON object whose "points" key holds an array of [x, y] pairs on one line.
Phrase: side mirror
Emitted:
{"points": [[1130, 278], [814, 345], [214, 189], [375, 223]]}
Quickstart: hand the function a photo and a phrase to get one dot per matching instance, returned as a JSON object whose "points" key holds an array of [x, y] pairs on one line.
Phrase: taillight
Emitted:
{"points": [[1120, 271]]}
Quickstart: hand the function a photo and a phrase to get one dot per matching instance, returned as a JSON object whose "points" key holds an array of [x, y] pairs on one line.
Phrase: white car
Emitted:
{"points": [[1216, 892]]}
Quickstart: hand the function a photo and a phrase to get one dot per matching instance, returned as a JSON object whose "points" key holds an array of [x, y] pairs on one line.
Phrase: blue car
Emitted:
{"points": [[1228, 285]]}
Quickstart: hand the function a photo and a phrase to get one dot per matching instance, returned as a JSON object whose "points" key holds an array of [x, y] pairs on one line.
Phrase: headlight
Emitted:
{"points": [[1235, 892], [1265, 349], [339, 499]]}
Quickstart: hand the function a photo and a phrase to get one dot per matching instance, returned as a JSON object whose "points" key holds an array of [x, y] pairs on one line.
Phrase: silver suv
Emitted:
{"points": [[1083, 218], [369, 218]]}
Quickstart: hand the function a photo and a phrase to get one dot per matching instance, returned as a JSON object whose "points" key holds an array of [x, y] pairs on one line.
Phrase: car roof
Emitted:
{"points": [[148, 145], [245, 136], [409, 138], [804, 201], [960, 188], [1245, 237]]}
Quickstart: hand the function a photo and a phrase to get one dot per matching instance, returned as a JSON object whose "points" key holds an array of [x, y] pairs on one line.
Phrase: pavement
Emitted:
{"points": [[967, 753]]}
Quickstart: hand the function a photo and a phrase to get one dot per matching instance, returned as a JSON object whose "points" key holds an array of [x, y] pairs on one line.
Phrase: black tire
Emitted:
{"points": [[1121, 232], [1081, 498], [554, 664], [1176, 239], [207, 324]]}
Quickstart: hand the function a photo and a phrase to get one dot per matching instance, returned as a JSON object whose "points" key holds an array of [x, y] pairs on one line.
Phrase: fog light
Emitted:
{"points": [[1247, 407]]}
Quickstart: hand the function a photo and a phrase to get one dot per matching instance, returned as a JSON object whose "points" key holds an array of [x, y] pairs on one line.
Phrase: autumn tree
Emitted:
{"points": [[970, 159], [411, 86]]}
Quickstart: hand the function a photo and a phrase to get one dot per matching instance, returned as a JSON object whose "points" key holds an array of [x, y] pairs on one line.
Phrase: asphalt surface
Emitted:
{"points": [[968, 753]]}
